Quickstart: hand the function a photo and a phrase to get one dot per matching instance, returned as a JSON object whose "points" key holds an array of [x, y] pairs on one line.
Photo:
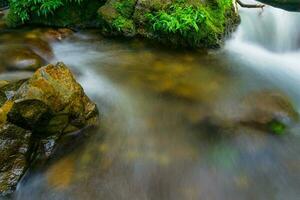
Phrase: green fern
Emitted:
{"points": [[23, 9], [190, 23]]}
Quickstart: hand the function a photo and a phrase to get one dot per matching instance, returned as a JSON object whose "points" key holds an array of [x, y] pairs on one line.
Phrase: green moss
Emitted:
{"points": [[116, 17], [122, 24], [191, 25], [61, 13], [277, 127], [125, 8]]}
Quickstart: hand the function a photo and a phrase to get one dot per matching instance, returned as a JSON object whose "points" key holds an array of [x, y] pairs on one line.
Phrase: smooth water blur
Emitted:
{"points": [[268, 42], [157, 138], [272, 29]]}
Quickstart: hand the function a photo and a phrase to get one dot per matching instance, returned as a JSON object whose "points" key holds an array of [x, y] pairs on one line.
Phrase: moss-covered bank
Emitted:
{"points": [[181, 22], [59, 13], [187, 23]]}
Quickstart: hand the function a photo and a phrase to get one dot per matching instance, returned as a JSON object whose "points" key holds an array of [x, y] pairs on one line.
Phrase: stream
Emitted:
{"points": [[157, 137]]}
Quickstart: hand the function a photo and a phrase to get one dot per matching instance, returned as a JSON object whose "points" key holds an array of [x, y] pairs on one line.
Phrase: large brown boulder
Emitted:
{"points": [[34, 114], [52, 101]]}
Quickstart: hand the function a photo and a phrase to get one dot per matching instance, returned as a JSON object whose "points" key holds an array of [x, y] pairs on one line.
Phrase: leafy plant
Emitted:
{"points": [[125, 7], [23, 9], [177, 19], [192, 24], [277, 127], [121, 23]]}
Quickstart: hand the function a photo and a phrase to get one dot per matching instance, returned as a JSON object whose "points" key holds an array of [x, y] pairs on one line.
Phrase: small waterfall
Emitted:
{"points": [[268, 42], [271, 28]]}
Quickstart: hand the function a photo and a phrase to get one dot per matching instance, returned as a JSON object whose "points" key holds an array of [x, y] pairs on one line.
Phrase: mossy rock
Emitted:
{"points": [[184, 23], [116, 18]]}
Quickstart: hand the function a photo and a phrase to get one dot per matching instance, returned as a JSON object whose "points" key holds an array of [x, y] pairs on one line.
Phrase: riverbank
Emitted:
{"points": [[179, 23]]}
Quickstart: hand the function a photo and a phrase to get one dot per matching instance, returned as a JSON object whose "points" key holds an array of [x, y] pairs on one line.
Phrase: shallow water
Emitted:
{"points": [[157, 136]]}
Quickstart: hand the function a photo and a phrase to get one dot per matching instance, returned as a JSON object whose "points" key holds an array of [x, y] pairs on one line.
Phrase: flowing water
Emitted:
{"points": [[158, 138]]}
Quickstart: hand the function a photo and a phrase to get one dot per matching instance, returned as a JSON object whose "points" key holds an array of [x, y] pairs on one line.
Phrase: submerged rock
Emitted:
{"points": [[53, 35], [40, 47], [34, 114], [269, 111], [20, 58]]}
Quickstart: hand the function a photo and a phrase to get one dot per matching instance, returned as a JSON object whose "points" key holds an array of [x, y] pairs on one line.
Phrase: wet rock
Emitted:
{"points": [[40, 47], [53, 35], [3, 83], [192, 82], [15, 75], [269, 111], [117, 21], [14, 150], [8, 89], [34, 114], [21, 58], [51, 101]]}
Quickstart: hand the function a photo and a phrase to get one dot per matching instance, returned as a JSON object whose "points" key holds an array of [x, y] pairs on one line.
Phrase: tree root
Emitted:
{"points": [[244, 5]]}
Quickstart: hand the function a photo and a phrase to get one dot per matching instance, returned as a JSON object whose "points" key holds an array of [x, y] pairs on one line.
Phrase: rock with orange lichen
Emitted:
{"points": [[34, 114], [51, 101]]}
